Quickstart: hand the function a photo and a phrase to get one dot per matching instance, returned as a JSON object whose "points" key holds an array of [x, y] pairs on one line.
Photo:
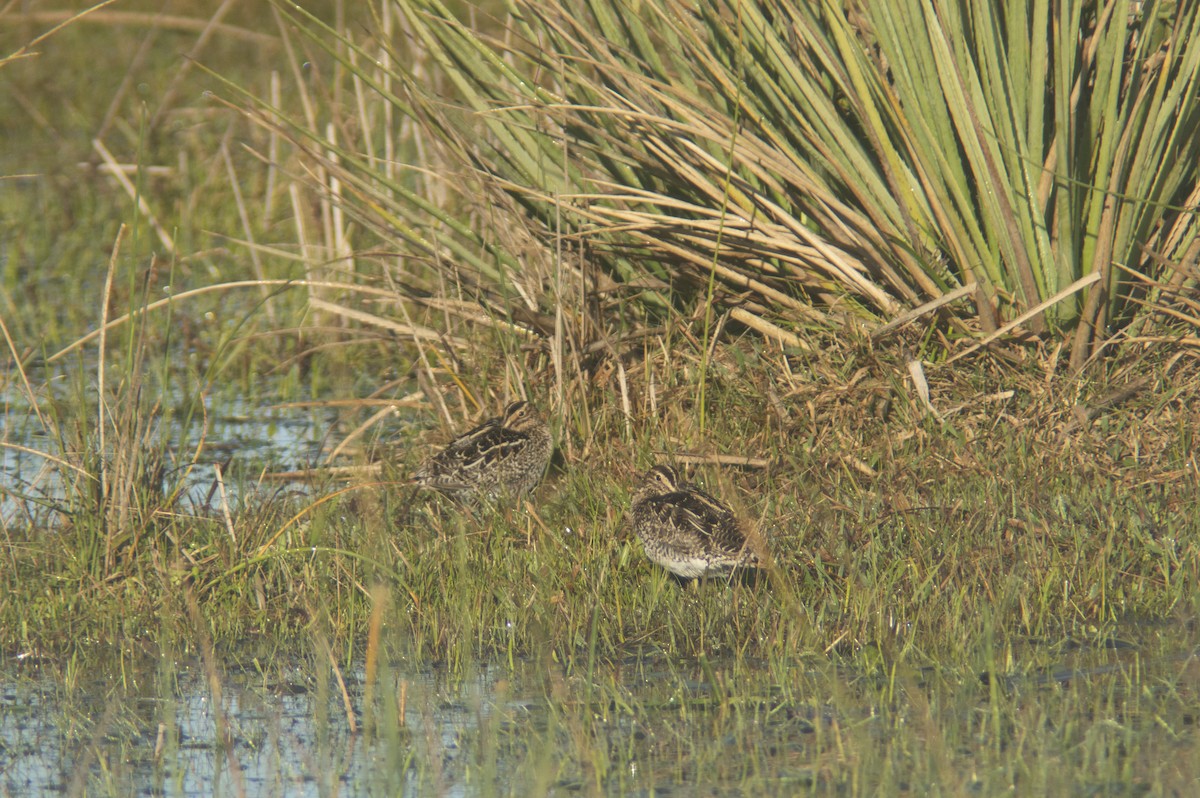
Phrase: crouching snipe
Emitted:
{"points": [[687, 531], [504, 455]]}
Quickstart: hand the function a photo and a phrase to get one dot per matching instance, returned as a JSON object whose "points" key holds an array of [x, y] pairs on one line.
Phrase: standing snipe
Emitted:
{"points": [[505, 454], [685, 530]]}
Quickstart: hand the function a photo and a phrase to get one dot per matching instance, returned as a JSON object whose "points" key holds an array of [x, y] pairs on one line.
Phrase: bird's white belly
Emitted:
{"points": [[687, 567]]}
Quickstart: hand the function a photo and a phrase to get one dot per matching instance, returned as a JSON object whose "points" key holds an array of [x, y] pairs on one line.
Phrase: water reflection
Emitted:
{"points": [[244, 442], [283, 738], [643, 725]]}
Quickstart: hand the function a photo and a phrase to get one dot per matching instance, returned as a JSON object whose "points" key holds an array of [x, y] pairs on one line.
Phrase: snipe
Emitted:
{"points": [[687, 531], [504, 455]]}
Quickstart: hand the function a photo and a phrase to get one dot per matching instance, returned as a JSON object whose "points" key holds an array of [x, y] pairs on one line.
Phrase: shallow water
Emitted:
{"points": [[285, 737], [244, 441], [1107, 722]]}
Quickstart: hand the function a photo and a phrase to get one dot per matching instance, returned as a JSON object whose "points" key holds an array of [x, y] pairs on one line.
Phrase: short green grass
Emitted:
{"points": [[1023, 533]]}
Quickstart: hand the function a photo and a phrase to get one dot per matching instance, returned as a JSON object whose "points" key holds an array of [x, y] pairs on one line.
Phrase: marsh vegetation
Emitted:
{"points": [[927, 327]]}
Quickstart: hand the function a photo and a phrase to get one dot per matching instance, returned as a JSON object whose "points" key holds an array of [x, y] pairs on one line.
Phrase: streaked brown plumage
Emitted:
{"points": [[687, 531], [507, 454]]}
